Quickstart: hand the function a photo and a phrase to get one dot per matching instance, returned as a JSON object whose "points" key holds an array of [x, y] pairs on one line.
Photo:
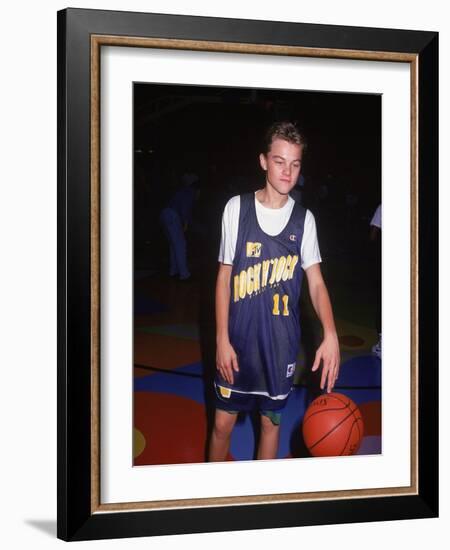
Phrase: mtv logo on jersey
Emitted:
{"points": [[253, 250]]}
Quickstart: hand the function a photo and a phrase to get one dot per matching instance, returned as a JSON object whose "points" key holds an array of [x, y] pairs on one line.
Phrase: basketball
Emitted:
{"points": [[332, 426]]}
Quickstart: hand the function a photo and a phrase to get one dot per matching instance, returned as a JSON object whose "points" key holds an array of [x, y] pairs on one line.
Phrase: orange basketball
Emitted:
{"points": [[332, 426]]}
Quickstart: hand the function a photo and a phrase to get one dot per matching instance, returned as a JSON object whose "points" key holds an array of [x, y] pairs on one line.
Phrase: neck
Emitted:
{"points": [[270, 198]]}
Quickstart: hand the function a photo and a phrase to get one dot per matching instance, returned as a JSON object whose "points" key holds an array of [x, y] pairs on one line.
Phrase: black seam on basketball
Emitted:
{"points": [[321, 411], [359, 432], [332, 429], [334, 396]]}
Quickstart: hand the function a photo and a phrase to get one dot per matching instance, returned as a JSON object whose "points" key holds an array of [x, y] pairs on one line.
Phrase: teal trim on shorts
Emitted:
{"points": [[275, 416]]}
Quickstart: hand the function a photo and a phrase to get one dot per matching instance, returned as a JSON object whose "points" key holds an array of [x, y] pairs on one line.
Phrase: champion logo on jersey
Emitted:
{"points": [[290, 370], [292, 238], [253, 250]]}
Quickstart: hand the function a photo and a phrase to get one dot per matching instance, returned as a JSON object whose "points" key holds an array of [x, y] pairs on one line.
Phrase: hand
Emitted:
{"points": [[328, 352], [226, 361]]}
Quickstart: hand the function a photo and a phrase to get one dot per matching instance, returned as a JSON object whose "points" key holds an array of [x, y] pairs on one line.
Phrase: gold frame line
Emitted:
{"points": [[97, 41]]}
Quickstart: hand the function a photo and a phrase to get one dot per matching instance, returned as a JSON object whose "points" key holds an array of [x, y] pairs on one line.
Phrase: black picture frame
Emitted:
{"points": [[79, 517]]}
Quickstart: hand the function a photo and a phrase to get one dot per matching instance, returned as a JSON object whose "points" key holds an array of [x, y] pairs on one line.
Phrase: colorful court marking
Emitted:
{"points": [[175, 429], [170, 417]]}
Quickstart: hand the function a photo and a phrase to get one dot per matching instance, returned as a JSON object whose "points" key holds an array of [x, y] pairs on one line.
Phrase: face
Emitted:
{"points": [[282, 165]]}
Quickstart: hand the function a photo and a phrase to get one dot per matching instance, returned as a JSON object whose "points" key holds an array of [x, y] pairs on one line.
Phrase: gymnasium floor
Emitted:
{"points": [[174, 363]]}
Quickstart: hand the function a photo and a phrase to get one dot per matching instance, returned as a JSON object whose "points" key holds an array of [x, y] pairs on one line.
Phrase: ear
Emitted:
{"points": [[263, 161]]}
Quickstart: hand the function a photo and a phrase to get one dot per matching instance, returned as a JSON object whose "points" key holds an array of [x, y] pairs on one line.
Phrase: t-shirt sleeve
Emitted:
{"points": [[230, 222], [310, 245]]}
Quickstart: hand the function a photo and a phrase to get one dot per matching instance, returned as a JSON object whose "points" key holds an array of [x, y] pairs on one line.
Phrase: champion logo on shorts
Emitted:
{"points": [[253, 250], [290, 370], [292, 238]]}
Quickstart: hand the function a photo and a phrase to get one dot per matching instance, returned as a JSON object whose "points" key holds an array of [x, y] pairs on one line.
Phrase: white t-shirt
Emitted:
{"points": [[272, 221], [376, 220]]}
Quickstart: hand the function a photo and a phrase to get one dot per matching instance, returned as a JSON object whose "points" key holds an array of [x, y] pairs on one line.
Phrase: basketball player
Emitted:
{"points": [[268, 242]]}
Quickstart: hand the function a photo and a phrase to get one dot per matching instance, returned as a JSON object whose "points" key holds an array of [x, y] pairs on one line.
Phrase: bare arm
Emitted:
{"points": [[328, 351], [226, 359]]}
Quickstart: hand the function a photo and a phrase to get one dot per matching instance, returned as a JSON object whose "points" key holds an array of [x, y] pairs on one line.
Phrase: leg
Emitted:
{"points": [[268, 443], [177, 243], [173, 270], [166, 222], [220, 438]]}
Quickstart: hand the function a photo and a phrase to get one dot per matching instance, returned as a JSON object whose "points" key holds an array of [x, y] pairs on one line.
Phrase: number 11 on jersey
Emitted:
{"points": [[276, 304]]}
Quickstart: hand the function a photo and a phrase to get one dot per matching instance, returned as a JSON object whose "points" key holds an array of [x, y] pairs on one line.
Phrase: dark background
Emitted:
{"points": [[217, 133]]}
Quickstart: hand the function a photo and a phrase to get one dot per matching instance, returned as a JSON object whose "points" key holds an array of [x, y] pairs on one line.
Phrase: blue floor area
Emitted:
{"points": [[243, 438], [291, 441], [360, 379], [363, 370], [191, 387]]}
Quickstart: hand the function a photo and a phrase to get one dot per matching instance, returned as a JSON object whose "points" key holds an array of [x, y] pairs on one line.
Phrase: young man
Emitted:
{"points": [[268, 241]]}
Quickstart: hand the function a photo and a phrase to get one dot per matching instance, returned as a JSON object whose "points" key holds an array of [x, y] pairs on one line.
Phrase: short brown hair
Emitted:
{"points": [[284, 130]]}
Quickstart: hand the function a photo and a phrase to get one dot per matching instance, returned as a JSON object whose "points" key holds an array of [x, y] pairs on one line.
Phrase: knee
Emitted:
{"points": [[223, 426], [267, 426]]}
